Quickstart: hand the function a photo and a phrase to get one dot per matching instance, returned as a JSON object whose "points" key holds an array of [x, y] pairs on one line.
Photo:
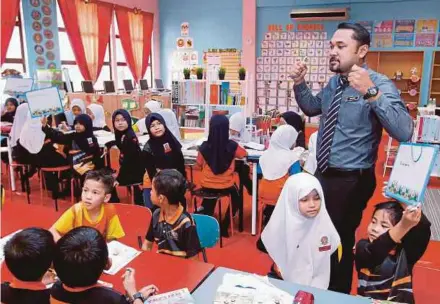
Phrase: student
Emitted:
{"points": [[296, 121], [172, 228], [151, 106], [66, 119], [8, 114], [93, 210], [300, 236], [131, 170], [276, 164], [311, 163], [171, 122], [162, 151], [397, 239], [238, 133], [217, 157], [80, 258], [28, 256], [237, 128], [98, 117], [81, 144]]}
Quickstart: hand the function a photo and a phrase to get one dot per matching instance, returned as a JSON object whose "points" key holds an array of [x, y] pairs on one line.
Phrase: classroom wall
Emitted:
{"points": [[277, 12], [213, 24]]}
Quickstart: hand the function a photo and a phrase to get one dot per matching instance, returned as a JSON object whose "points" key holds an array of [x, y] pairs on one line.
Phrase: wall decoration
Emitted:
{"points": [[40, 25], [383, 40], [426, 26], [404, 39], [425, 40], [180, 43], [404, 26], [184, 29], [385, 26], [367, 24]]}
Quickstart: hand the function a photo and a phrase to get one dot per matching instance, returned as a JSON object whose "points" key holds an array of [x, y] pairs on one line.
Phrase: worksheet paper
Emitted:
{"points": [[121, 255]]}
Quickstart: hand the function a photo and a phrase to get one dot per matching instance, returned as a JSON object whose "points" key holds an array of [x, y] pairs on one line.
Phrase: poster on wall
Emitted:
{"points": [[368, 25], [383, 40], [425, 40], [385, 26], [404, 26], [184, 29], [404, 39], [426, 26], [41, 29]]}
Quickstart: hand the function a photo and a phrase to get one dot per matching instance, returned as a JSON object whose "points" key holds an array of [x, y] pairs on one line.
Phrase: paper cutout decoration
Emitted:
{"points": [[184, 29]]}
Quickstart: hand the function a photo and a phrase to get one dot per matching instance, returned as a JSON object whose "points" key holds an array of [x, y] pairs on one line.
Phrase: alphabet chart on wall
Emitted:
{"points": [[279, 52]]}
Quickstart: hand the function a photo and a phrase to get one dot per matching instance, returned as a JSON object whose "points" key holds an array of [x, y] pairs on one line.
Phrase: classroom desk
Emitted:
{"points": [[166, 272], [206, 292]]}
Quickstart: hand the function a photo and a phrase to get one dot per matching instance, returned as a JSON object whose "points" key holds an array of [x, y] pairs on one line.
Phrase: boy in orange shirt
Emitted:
{"points": [[93, 210]]}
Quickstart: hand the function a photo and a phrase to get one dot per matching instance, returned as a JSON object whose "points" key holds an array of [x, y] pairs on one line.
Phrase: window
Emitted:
{"points": [[15, 57]]}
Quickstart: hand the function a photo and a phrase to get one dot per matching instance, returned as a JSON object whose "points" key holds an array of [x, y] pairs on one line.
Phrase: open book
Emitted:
{"points": [[180, 296], [121, 255]]}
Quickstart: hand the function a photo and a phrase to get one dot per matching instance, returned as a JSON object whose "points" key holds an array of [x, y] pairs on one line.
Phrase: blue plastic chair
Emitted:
{"points": [[208, 231]]}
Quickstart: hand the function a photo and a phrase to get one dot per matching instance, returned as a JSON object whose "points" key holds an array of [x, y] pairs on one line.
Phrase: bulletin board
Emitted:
{"points": [[279, 52]]}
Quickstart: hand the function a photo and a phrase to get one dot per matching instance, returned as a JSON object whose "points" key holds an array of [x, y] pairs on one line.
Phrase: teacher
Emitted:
{"points": [[354, 107]]}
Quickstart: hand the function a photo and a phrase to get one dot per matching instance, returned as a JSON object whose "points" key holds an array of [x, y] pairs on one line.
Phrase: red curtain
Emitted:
{"points": [[135, 30], [9, 12], [88, 28]]}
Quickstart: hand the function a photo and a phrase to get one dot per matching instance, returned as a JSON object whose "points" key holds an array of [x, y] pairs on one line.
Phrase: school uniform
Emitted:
{"points": [[20, 292], [62, 294], [177, 236], [154, 107], [301, 247], [160, 153], [99, 117], [385, 267], [9, 116], [107, 221], [217, 160], [131, 169]]}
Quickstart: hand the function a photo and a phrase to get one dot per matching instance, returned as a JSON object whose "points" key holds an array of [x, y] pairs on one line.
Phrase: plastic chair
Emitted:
{"points": [[135, 221], [208, 231], [57, 170], [217, 195], [23, 170]]}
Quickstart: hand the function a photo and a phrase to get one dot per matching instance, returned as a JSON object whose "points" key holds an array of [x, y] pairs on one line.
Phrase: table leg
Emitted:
{"points": [[254, 198], [11, 168]]}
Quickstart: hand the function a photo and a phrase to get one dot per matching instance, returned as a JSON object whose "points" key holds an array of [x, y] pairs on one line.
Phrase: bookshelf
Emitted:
{"points": [[434, 91], [195, 101], [388, 62]]}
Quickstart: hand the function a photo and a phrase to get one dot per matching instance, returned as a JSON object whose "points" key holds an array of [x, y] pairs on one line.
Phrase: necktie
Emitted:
{"points": [[330, 126]]}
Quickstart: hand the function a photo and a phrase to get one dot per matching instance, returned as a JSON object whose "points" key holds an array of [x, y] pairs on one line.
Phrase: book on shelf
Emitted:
{"points": [[428, 129], [214, 90]]}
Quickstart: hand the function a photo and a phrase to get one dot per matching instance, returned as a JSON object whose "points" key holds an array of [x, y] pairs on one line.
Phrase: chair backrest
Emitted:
{"points": [[135, 221], [208, 230]]}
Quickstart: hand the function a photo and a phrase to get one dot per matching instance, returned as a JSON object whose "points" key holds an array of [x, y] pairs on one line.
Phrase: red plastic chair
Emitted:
{"points": [[135, 221]]}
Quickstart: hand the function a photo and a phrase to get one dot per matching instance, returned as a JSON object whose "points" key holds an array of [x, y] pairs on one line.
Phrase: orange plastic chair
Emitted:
{"points": [[58, 170], [135, 221]]}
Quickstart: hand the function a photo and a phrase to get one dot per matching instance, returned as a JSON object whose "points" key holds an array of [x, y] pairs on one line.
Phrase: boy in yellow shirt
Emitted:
{"points": [[93, 210]]}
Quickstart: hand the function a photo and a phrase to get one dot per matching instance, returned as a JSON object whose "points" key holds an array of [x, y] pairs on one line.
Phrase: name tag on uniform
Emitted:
{"points": [[325, 244], [353, 98]]}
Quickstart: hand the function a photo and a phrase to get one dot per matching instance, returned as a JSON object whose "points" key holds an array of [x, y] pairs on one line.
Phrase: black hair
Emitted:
{"points": [[29, 254], [12, 100], [360, 33], [80, 257], [393, 209], [104, 176], [171, 184]]}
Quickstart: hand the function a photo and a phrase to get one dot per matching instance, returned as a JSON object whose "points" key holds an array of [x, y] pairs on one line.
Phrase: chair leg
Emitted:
{"points": [[41, 184], [194, 200], [260, 218], [230, 214], [72, 190], [205, 258], [27, 184], [55, 194], [219, 203]]}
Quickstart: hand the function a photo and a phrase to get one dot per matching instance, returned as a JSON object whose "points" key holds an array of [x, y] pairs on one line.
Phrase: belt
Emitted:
{"points": [[347, 172]]}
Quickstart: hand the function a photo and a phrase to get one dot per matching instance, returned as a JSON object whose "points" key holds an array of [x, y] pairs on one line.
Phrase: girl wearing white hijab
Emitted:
{"points": [[237, 128], [76, 107], [300, 236], [171, 122], [311, 163], [152, 106], [98, 117], [21, 116], [275, 165]]}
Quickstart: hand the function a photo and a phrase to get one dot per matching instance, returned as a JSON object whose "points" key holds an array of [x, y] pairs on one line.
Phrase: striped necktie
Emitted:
{"points": [[330, 126]]}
